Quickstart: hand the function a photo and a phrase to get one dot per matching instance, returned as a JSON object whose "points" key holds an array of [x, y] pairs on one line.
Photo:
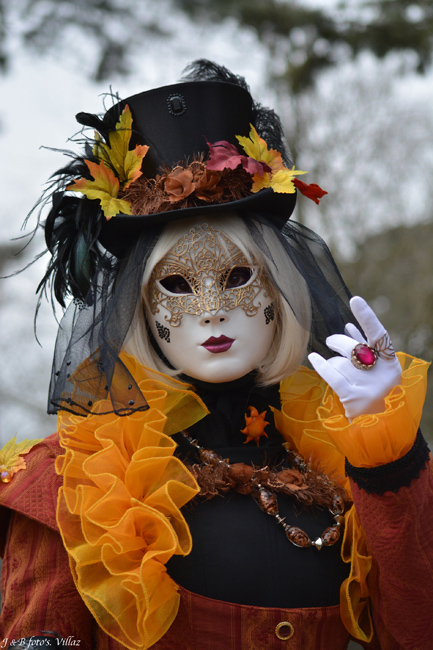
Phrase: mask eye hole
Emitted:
{"points": [[176, 284], [238, 276]]}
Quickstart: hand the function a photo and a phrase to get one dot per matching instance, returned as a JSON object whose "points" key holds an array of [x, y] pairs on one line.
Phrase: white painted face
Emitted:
{"points": [[210, 310]]}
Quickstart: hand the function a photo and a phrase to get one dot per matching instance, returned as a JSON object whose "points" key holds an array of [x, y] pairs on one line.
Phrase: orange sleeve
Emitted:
{"points": [[312, 418]]}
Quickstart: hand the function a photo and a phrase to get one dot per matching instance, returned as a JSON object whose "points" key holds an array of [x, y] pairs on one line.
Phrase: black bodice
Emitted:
{"points": [[240, 554]]}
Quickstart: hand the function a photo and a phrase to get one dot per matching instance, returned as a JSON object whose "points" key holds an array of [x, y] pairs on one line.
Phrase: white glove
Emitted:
{"points": [[360, 391]]}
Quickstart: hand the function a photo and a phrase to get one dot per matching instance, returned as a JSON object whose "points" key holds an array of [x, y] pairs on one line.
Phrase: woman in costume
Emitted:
{"points": [[204, 489]]}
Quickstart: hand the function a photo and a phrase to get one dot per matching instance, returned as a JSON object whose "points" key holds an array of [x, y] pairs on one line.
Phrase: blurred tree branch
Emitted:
{"points": [[115, 28], [309, 40], [303, 41]]}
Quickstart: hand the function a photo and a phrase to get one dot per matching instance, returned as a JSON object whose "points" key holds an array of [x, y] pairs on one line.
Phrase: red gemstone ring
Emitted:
{"points": [[363, 356]]}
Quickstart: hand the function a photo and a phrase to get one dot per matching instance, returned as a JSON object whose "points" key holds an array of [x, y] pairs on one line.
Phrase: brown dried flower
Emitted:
{"points": [[179, 184], [207, 186]]}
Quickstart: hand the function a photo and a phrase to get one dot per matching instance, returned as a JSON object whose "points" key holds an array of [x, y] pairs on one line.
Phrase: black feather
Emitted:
{"points": [[71, 232], [94, 122], [205, 70]]}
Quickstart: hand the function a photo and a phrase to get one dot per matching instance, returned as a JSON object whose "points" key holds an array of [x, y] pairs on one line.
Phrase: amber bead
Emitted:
{"points": [[338, 504], [298, 537], [331, 535], [6, 476], [268, 502]]}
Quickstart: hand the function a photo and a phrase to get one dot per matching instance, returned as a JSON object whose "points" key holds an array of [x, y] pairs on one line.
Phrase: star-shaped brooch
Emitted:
{"points": [[256, 424]]}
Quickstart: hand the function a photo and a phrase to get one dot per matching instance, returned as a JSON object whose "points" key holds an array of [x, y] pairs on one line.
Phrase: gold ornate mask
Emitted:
{"points": [[205, 272]]}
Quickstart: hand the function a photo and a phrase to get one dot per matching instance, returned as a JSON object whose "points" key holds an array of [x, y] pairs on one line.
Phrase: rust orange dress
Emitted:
{"points": [[85, 546]]}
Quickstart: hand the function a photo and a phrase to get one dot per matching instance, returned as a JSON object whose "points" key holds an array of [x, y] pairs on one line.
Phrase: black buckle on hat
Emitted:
{"points": [[176, 104]]}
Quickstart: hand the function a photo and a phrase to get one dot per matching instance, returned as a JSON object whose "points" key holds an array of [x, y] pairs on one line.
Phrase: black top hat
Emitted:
{"points": [[176, 122]]}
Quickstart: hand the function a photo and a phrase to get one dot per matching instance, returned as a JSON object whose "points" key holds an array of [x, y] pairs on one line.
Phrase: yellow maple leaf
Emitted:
{"points": [[10, 455], [279, 178], [255, 147], [281, 181], [118, 156], [112, 206], [105, 187]]}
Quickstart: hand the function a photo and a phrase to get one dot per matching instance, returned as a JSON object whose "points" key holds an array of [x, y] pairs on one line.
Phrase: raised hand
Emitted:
{"points": [[366, 371]]}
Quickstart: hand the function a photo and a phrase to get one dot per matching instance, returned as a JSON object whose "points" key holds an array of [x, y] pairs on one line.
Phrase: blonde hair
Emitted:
{"points": [[293, 317]]}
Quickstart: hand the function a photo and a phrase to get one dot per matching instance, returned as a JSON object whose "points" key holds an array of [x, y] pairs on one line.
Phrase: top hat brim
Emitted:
{"points": [[121, 232]]}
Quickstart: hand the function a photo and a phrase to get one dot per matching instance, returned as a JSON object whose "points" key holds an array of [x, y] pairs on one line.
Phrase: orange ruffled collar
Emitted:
{"points": [[119, 509]]}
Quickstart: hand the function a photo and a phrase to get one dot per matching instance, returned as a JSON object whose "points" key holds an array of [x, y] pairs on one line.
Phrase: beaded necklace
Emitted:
{"points": [[215, 475]]}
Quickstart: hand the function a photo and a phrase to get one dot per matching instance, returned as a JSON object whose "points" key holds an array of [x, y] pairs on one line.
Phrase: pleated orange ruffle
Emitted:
{"points": [[119, 510]]}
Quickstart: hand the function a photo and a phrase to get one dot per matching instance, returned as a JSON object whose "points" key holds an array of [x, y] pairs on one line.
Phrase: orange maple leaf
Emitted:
{"points": [[104, 186]]}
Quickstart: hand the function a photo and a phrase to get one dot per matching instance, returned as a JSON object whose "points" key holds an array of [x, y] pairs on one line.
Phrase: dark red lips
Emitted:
{"points": [[216, 345]]}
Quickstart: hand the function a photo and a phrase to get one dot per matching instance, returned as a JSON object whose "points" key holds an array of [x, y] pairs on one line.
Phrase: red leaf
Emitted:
{"points": [[224, 155], [312, 191]]}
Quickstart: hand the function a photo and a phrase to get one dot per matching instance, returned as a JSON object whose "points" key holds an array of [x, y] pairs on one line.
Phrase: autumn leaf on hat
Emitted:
{"points": [[118, 156], [282, 181], [279, 178], [285, 181], [104, 187], [255, 147], [118, 167], [223, 155], [311, 191], [10, 457]]}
